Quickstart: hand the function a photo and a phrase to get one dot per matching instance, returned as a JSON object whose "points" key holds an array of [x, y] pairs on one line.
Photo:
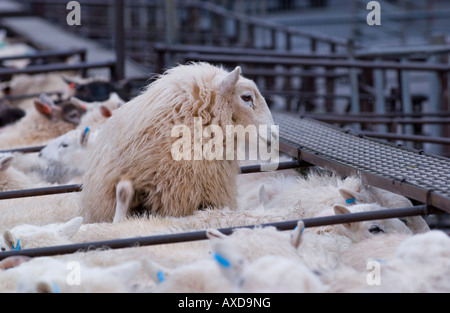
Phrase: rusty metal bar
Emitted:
{"points": [[201, 235]]}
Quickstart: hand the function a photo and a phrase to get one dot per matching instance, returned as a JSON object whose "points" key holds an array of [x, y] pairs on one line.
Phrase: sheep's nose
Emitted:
{"points": [[40, 154], [3, 249]]}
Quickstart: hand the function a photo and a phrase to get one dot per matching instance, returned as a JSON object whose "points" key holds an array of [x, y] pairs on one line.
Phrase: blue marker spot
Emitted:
{"points": [[161, 277], [350, 201], [222, 261]]}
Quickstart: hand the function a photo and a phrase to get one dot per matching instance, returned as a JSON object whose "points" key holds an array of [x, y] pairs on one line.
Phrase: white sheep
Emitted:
{"points": [[136, 144], [65, 157], [41, 124], [420, 264], [321, 247], [11, 178], [47, 275], [316, 194], [24, 237], [269, 273]]}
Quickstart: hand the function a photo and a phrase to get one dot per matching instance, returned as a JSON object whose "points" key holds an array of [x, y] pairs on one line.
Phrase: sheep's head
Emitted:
{"points": [[64, 147], [65, 111], [247, 105], [30, 236], [5, 162], [363, 230]]}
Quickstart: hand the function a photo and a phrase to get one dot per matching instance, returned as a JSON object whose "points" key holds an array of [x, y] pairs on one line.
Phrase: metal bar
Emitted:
{"points": [[380, 102], [414, 138], [45, 54], [368, 120], [16, 194], [384, 65], [201, 235], [24, 150], [119, 40], [57, 68], [282, 166]]}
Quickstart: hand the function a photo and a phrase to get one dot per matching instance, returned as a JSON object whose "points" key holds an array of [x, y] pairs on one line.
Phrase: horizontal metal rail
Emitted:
{"points": [[38, 69], [47, 54], [24, 150], [38, 192], [357, 64], [369, 120], [201, 235], [390, 136]]}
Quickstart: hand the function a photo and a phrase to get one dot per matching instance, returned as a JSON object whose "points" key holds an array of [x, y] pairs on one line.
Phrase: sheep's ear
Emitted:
{"points": [[43, 108], [296, 234], [72, 116], [263, 197], [5, 162], [10, 239], [70, 81], [69, 229], [339, 210], [350, 196], [158, 272], [229, 82], [84, 138], [80, 103], [45, 287], [106, 112], [229, 259]]}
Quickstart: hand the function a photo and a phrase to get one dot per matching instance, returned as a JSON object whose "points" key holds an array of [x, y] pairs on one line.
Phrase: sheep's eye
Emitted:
{"points": [[374, 229], [64, 145], [247, 98]]}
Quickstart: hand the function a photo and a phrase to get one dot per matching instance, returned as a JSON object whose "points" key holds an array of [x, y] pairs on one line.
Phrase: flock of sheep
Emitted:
{"points": [[132, 187]]}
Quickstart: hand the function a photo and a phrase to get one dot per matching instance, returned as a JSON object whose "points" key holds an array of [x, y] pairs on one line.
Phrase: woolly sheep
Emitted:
{"points": [[47, 275], [65, 157], [136, 143], [321, 247], [24, 237], [11, 178], [316, 194], [420, 264], [271, 273], [42, 123]]}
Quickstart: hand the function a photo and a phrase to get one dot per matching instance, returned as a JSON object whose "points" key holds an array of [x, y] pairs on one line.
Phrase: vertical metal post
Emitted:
{"points": [[380, 102], [406, 98], [435, 100], [119, 40], [354, 85], [170, 28]]}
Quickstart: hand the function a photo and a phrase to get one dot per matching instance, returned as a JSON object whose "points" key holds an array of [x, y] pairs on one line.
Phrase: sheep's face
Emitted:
{"points": [[368, 229], [248, 106], [61, 148]]}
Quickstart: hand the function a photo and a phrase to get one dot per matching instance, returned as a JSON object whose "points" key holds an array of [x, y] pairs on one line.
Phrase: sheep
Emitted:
{"points": [[11, 178], [419, 264], [294, 191], [47, 275], [9, 115], [136, 143], [24, 237], [45, 122], [65, 157], [270, 273], [321, 247]]}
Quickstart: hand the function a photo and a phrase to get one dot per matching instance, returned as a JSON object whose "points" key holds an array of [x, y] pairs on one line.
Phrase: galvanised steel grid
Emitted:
{"points": [[419, 176]]}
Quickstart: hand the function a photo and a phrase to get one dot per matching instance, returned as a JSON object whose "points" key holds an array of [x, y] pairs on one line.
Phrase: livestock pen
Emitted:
{"points": [[422, 177]]}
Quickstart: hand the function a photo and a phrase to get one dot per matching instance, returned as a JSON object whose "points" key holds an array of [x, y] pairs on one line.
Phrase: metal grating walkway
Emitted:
{"points": [[422, 177]]}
